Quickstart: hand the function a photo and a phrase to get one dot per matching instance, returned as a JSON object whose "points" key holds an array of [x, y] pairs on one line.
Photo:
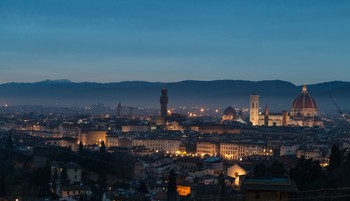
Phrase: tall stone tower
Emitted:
{"points": [[119, 110], [254, 109], [164, 103]]}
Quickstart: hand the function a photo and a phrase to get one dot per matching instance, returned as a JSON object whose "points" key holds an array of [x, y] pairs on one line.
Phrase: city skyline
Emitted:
{"points": [[154, 100], [297, 41]]}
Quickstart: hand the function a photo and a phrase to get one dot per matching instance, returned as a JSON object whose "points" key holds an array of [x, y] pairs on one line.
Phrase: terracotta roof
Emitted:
{"points": [[229, 111], [304, 100]]}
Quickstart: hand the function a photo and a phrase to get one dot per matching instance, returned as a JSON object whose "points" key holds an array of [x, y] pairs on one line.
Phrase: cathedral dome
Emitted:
{"points": [[229, 111], [304, 104]]}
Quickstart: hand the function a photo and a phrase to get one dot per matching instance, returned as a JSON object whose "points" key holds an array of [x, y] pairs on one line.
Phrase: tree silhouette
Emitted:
{"points": [[64, 177], [260, 170], [335, 158], [81, 147], [102, 182], [54, 180], [221, 186], [103, 147], [276, 169], [307, 174], [2, 185], [172, 188]]}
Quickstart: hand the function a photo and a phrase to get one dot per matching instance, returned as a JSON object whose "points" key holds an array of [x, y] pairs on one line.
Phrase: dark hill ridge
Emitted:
{"points": [[276, 93]]}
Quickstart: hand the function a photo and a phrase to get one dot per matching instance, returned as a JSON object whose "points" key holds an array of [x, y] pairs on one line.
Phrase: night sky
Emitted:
{"points": [[301, 41]]}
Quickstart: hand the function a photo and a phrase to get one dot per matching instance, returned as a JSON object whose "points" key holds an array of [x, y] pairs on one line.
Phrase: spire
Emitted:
{"points": [[266, 110], [266, 118], [304, 89]]}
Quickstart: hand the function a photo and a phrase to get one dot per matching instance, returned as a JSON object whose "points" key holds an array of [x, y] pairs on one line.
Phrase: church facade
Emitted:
{"points": [[304, 112]]}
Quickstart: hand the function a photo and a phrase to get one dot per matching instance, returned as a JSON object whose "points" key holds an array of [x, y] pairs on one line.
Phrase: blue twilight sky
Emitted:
{"points": [[302, 41]]}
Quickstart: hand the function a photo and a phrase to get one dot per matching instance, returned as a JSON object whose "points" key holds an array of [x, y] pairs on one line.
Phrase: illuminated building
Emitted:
{"points": [[92, 137], [215, 128], [207, 148], [174, 126], [304, 112], [75, 190], [70, 143], [273, 119], [183, 190], [254, 109], [112, 141], [315, 153], [158, 145], [235, 151], [236, 171], [143, 128]]}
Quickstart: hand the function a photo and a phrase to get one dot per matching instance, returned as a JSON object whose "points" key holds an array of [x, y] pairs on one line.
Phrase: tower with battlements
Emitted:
{"points": [[164, 103]]}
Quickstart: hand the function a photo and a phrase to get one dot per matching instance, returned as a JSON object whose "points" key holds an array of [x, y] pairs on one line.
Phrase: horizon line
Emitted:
{"points": [[163, 82]]}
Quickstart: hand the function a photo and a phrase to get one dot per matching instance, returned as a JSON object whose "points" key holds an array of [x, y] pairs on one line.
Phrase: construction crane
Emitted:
{"points": [[340, 111]]}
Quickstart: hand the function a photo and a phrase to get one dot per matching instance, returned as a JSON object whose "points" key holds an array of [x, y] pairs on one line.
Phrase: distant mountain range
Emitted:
{"points": [[276, 93]]}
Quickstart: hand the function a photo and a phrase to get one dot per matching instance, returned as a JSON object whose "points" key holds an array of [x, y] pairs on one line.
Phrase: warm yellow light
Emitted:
{"points": [[202, 110], [183, 190]]}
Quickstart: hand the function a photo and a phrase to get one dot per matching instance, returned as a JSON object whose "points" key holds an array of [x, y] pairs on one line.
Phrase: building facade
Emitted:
{"points": [[254, 109], [304, 112], [235, 151], [207, 148]]}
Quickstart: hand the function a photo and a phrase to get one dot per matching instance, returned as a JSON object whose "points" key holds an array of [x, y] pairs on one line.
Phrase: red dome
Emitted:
{"points": [[229, 111], [303, 101]]}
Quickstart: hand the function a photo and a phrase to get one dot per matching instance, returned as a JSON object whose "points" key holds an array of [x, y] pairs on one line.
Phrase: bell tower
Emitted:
{"points": [[254, 109]]}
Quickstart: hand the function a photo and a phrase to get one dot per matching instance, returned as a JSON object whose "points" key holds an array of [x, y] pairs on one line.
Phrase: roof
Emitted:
{"points": [[229, 111], [304, 100], [212, 160], [76, 187], [283, 184], [72, 165]]}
